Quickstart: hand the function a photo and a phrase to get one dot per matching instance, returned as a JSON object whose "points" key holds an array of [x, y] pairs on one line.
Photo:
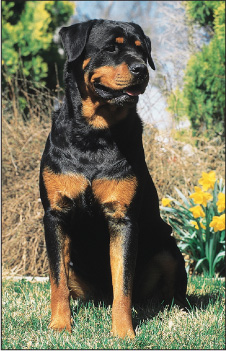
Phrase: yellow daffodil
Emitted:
{"points": [[208, 180], [197, 211], [221, 202], [218, 223], [202, 225], [200, 197], [166, 202], [195, 224]]}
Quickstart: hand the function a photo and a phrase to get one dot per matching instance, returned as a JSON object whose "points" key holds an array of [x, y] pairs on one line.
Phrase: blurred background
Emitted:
{"points": [[183, 107]]}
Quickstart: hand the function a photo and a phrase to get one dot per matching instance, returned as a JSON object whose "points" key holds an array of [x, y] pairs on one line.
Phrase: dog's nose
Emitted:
{"points": [[138, 69]]}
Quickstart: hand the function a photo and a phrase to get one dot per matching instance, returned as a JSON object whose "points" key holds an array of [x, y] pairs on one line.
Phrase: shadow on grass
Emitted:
{"points": [[201, 302], [92, 303], [148, 310]]}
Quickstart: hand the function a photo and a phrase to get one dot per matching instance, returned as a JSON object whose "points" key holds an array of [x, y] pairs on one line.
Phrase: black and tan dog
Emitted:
{"points": [[103, 230]]}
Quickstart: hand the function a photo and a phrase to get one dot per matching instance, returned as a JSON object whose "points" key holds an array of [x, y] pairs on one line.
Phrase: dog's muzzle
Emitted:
{"points": [[128, 94]]}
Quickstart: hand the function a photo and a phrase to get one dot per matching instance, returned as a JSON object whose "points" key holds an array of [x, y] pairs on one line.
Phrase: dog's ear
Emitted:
{"points": [[148, 46], [147, 42], [74, 38]]}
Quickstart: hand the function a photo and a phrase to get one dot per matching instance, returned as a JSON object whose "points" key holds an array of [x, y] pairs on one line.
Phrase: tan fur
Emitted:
{"points": [[102, 116], [117, 193], [116, 196], [119, 40], [121, 308], [98, 113], [85, 63], [137, 43], [66, 254], [60, 306], [60, 185], [78, 288], [113, 77]]}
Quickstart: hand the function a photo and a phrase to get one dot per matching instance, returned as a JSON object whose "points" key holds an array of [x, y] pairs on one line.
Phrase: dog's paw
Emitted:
{"points": [[123, 332], [60, 323]]}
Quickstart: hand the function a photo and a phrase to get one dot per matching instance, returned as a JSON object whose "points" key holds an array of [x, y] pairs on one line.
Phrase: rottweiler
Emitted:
{"points": [[103, 230]]}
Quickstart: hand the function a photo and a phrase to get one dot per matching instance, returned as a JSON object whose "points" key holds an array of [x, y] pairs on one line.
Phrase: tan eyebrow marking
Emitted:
{"points": [[119, 40], [85, 63], [137, 43]]}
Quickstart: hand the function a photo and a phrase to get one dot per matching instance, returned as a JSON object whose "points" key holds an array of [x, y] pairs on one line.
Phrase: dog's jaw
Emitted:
{"points": [[128, 95]]}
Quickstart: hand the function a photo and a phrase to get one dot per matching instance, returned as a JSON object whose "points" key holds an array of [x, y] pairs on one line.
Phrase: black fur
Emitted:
{"points": [[75, 146]]}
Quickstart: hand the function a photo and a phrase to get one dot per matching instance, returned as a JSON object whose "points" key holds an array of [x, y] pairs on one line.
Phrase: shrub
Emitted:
{"points": [[202, 97], [199, 222], [28, 48]]}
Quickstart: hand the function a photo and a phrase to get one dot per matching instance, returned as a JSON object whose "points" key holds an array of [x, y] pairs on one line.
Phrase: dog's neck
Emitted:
{"points": [[101, 115]]}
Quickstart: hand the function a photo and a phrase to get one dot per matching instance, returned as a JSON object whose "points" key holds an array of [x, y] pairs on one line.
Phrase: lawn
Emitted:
{"points": [[26, 315]]}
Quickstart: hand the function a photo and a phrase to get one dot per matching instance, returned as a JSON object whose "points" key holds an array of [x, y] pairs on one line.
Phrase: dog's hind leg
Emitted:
{"points": [[78, 287], [164, 277]]}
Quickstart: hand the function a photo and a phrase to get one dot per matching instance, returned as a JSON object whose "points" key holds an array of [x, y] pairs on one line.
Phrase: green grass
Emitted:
{"points": [[26, 315]]}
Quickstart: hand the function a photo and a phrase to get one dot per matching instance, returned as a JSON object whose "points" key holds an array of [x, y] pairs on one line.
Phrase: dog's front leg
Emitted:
{"points": [[58, 249], [115, 197], [58, 190], [123, 245]]}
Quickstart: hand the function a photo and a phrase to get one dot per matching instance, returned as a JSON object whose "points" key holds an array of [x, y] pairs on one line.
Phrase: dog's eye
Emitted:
{"points": [[111, 48]]}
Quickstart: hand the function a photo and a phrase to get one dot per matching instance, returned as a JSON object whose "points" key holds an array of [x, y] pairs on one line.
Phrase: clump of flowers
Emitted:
{"points": [[199, 221]]}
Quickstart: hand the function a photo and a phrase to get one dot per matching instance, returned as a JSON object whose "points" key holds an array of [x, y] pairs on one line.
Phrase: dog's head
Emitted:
{"points": [[114, 58]]}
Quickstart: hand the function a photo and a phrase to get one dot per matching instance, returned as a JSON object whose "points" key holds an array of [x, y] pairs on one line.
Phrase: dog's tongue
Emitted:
{"points": [[133, 93]]}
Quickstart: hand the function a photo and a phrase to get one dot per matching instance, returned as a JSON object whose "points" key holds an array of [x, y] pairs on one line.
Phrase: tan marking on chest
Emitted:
{"points": [[115, 195], [61, 188]]}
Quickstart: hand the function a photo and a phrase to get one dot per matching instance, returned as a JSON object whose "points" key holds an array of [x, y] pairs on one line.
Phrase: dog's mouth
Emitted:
{"points": [[132, 91]]}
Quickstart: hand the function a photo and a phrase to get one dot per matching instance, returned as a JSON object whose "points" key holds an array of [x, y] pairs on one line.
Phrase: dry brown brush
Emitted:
{"points": [[180, 164], [23, 140]]}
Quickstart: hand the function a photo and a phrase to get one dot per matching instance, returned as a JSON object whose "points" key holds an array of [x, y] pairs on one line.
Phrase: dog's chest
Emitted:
{"points": [[109, 164]]}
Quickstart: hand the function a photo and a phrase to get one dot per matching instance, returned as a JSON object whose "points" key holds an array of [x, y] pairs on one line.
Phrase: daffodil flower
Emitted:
{"points": [[221, 202], [200, 197], [166, 202], [201, 232], [195, 224], [197, 211], [208, 180], [218, 223]]}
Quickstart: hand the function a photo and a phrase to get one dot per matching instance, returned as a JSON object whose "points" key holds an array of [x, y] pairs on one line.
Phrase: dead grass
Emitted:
{"points": [[180, 164], [23, 246]]}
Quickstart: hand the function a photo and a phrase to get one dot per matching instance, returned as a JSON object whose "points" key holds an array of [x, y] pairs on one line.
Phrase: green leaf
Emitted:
{"points": [[199, 263], [220, 256], [184, 199]]}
